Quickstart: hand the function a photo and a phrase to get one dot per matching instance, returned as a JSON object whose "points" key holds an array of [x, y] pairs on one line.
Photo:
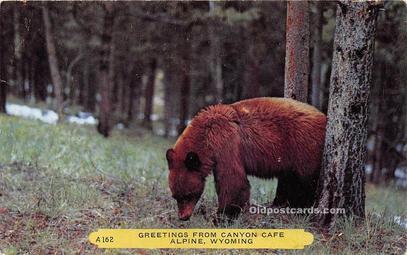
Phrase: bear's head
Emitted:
{"points": [[186, 181]]}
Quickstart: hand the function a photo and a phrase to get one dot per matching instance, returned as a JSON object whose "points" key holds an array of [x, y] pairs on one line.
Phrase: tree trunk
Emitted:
{"points": [[240, 85], [124, 92], [343, 176], [326, 74], [41, 76], [105, 124], [134, 86], [185, 91], [297, 51], [378, 122], [18, 63], [53, 62], [378, 147], [82, 85], [252, 74], [3, 69], [169, 82], [215, 54], [24, 85], [149, 95], [316, 58], [31, 75], [89, 87], [70, 80]]}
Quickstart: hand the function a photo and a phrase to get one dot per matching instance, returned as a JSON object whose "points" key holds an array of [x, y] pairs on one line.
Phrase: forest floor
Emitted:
{"points": [[58, 183]]}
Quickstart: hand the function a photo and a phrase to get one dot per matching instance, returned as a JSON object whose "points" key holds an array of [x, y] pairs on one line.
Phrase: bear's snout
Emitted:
{"points": [[185, 210], [184, 216]]}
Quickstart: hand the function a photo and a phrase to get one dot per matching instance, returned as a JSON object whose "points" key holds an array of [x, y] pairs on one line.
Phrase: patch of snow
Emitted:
{"points": [[401, 172], [154, 117], [158, 100], [82, 119], [84, 115], [160, 131], [173, 133], [401, 221], [120, 126], [399, 147], [50, 88], [401, 176], [368, 168], [46, 116], [401, 183]]}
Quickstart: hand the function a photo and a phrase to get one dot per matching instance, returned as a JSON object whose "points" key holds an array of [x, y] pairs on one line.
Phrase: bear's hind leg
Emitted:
{"points": [[283, 186], [301, 193]]}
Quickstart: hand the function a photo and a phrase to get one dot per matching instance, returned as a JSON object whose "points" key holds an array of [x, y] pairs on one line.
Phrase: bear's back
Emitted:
{"points": [[281, 134], [274, 135], [270, 107]]}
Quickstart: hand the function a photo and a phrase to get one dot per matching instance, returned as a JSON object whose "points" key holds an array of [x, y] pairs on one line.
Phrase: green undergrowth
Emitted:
{"points": [[58, 183]]}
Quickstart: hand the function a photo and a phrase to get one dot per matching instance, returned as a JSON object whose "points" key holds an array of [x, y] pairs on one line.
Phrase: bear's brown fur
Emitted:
{"points": [[262, 137]]}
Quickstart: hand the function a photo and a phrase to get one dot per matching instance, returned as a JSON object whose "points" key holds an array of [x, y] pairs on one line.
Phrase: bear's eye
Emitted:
{"points": [[192, 161]]}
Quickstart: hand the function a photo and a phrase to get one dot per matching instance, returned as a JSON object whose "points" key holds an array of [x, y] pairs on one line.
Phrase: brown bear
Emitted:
{"points": [[263, 137]]}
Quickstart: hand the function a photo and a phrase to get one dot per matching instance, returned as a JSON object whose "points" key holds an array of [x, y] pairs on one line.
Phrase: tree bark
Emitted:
{"points": [[69, 80], [18, 66], [185, 91], [124, 92], [343, 176], [134, 86], [24, 85], [168, 97], [378, 149], [326, 74], [18, 63], [82, 86], [215, 54], [31, 72], [105, 73], [40, 73], [378, 123], [252, 75], [53, 62], [90, 89], [297, 51], [149, 95], [316, 58], [3, 69]]}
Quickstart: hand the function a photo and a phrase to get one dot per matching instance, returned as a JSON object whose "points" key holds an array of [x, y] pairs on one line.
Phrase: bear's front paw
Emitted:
{"points": [[278, 203], [222, 219], [227, 215]]}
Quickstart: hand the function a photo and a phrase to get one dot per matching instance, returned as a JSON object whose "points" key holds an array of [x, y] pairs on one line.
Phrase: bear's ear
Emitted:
{"points": [[192, 161], [170, 157]]}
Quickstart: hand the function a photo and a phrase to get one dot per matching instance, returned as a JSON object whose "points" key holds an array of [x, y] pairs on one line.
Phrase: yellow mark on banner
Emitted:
{"points": [[202, 238]]}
